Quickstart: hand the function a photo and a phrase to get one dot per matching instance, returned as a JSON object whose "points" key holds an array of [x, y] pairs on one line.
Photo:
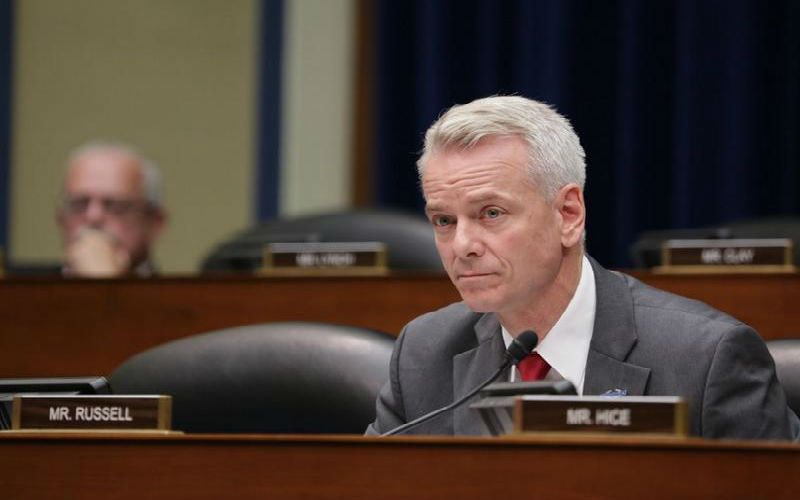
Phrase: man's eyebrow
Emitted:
{"points": [[429, 208], [485, 196], [473, 199]]}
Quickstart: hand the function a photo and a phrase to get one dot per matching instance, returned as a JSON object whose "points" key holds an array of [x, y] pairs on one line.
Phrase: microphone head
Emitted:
{"points": [[522, 346]]}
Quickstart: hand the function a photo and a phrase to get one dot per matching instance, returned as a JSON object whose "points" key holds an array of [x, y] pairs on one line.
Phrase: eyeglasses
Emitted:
{"points": [[118, 207]]}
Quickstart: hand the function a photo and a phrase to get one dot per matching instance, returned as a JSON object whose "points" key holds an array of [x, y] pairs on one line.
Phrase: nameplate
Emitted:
{"points": [[663, 415], [121, 412], [327, 259], [727, 255]]}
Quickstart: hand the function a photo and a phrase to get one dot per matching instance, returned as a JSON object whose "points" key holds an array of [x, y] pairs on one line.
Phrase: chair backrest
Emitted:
{"points": [[291, 377], [408, 238], [786, 353]]}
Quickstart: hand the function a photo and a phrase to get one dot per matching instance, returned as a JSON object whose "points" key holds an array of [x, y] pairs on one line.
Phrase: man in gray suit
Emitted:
{"points": [[503, 183]]}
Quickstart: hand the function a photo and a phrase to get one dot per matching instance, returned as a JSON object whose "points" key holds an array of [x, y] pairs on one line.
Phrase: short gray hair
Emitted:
{"points": [[555, 155], [152, 185]]}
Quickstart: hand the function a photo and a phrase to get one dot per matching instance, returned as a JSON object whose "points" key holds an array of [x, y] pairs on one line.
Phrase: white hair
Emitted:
{"points": [[555, 155], [153, 191]]}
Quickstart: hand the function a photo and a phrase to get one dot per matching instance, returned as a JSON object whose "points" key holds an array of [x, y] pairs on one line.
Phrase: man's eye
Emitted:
{"points": [[442, 220], [118, 207], [77, 205], [493, 213]]}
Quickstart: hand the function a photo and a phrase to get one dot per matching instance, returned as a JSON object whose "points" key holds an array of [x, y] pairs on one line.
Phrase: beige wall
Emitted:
{"points": [[175, 78], [318, 106]]}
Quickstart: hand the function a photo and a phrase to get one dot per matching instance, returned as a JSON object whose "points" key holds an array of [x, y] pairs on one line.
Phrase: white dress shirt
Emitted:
{"points": [[566, 345]]}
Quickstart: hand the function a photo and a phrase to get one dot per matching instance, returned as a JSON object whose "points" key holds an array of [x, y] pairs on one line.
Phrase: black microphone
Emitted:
{"points": [[516, 352]]}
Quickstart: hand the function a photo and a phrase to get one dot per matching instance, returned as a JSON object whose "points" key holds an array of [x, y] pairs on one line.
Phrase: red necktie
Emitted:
{"points": [[533, 367]]}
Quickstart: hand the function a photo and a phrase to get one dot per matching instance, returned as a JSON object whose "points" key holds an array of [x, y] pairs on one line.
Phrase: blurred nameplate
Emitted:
{"points": [[123, 412], [324, 259], [727, 255], [658, 415]]}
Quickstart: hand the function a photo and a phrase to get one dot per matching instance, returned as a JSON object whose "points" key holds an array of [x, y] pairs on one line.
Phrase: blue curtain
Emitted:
{"points": [[689, 110], [267, 192]]}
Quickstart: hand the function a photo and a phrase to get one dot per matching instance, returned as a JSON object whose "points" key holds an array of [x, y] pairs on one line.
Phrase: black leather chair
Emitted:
{"points": [[292, 377], [408, 238], [786, 353]]}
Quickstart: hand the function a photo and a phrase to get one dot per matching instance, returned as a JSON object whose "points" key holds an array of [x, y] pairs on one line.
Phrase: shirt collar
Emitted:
{"points": [[566, 345]]}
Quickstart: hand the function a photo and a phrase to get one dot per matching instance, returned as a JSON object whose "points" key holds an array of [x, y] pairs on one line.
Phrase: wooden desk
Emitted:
{"points": [[55, 466], [55, 327], [79, 327]]}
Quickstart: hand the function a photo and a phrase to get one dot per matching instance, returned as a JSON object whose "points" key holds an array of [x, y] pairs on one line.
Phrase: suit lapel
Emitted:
{"points": [[473, 367], [613, 338]]}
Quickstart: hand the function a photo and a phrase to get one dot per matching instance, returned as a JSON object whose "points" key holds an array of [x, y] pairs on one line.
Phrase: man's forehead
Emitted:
{"points": [[477, 183], [106, 156], [481, 196], [103, 171]]}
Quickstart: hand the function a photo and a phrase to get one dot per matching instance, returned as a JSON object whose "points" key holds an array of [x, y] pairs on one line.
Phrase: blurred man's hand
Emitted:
{"points": [[95, 253]]}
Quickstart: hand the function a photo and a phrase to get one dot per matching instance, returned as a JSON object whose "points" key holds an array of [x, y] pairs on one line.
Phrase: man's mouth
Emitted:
{"points": [[472, 275]]}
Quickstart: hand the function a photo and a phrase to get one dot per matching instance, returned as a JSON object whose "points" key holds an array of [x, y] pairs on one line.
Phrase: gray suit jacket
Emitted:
{"points": [[645, 341]]}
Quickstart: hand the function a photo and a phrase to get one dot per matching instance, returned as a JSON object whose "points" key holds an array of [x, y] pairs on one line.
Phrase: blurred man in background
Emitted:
{"points": [[111, 211]]}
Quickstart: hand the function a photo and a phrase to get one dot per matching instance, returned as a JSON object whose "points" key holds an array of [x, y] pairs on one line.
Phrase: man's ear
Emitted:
{"points": [[572, 211]]}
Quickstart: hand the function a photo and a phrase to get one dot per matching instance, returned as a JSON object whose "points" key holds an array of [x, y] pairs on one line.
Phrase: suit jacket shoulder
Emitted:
{"points": [[648, 341], [438, 357], [443, 332]]}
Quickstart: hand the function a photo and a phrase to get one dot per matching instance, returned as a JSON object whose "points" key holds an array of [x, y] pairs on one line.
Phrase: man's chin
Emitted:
{"points": [[480, 303]]}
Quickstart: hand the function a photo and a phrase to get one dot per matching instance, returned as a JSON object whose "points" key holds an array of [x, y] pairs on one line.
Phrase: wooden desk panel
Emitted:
{"points": [[54, 327], [80, 327], [319, 467]]}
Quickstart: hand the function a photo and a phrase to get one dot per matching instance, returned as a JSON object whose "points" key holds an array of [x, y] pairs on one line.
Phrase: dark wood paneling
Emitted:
{"points": [[88, 327], [318, 467], [363, 141], [53, 327]]}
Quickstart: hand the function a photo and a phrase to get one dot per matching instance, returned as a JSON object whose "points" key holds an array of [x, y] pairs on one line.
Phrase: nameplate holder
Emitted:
{"points": [[82, 412], [727, 255], [651, 415], [325, 259]]}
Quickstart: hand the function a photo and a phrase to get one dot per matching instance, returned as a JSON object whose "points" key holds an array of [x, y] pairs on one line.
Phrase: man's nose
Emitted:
{"points": [[95, 211], [468, 240]]}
